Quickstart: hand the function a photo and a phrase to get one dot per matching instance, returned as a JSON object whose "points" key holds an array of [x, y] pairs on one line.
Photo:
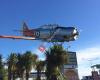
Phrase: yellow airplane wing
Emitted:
{"points": [[17, 37]]}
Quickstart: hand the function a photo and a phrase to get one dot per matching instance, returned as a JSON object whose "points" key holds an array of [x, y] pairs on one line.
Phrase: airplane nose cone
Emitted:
{"points": [[75, 34], [75, 31]]}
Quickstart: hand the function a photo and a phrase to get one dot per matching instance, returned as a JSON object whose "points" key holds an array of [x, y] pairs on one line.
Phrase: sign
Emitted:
{"points": [[72, 60]]}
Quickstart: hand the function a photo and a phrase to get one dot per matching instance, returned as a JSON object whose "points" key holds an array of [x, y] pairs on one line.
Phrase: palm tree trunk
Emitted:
{"points": [[13, 76], [22, 76], [38, 75], [53, 77], [9, 76], [9, 73], [27, 75]]}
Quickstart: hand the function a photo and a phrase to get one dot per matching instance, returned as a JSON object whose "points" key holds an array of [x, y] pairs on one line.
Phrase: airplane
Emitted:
{"points": [[47, 33]]}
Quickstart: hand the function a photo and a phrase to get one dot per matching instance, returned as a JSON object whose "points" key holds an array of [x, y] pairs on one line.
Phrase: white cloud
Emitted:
{"points": [[88, 54], [87, 57]]}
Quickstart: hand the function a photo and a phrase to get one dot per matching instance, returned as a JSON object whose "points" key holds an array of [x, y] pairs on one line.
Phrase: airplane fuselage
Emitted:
{"points": [[49, 33], [54, 34]]}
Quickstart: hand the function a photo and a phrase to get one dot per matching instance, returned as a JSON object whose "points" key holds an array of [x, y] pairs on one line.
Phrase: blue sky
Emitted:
{"points": [[83, 14]]}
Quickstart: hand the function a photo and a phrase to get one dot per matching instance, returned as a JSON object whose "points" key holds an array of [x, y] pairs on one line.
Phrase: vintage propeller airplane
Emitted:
{"points": [[47, 33]]}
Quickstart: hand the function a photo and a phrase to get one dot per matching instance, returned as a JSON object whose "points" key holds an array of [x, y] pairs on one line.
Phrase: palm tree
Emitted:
{"points": [[1, 69], [97, 66], [20, 66], [56, 57], [39, 67], [12, 60], [29, 61]]}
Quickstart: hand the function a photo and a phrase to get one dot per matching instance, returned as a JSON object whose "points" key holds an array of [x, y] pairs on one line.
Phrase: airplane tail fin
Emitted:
{"points": [[25, 29]]}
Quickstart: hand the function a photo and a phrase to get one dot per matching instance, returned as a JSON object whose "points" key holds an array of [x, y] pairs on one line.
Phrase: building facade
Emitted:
{"points": [[95, 76]]}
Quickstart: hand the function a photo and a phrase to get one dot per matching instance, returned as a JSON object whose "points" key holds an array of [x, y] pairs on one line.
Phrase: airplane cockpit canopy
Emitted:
{"points": [[50, 26]]}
